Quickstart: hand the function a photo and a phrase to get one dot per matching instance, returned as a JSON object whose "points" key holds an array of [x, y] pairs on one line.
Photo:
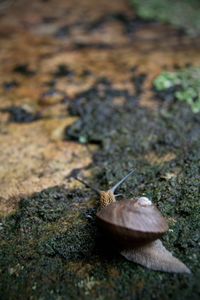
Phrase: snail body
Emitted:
{"points": [[135, 226]]}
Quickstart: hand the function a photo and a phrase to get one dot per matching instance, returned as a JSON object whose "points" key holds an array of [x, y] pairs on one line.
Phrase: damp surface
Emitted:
{"points": [[81, 92]]}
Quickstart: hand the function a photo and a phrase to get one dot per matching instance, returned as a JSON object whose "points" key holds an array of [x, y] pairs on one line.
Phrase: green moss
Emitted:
{"points": [[38, 241], [166, 80], [52, 249], [184, 84], [180, 13]]}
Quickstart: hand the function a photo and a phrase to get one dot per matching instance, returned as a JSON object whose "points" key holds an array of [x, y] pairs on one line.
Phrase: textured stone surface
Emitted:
{"points": [[76, 92]]}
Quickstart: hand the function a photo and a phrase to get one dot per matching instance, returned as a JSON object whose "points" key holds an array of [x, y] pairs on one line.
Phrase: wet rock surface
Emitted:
{"points": [[77, 95]]}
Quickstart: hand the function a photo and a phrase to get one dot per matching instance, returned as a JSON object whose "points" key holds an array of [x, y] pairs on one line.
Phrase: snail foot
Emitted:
{"points": [[156, 257]]}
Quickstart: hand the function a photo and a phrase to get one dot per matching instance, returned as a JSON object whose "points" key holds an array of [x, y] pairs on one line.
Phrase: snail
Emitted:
{"points": [[136, 226]]}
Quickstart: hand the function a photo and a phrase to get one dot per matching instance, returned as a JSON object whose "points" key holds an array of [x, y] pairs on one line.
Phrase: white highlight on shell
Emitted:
{"points": [[144, 201]]}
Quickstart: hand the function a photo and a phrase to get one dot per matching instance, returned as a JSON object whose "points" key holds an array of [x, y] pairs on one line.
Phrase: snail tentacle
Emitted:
{"points": [[120, 182], [88, 185], [108, 197]]}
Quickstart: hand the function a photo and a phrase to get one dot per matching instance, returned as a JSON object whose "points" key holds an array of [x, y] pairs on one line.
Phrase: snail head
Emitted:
{"points": [[106, 197]]}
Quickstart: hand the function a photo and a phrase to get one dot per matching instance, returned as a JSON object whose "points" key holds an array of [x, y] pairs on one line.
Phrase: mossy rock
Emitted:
{"points": [[51, 248]]}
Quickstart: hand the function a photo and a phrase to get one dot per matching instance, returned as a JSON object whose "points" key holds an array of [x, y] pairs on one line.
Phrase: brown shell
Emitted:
{"points": [[130, 224]]}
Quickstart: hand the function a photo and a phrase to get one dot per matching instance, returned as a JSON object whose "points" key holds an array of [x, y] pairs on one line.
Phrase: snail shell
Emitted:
{"points": [[131, 222]]}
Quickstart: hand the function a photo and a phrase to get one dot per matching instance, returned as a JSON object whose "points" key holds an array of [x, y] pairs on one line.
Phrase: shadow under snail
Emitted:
{"points": [[136, 226]]}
